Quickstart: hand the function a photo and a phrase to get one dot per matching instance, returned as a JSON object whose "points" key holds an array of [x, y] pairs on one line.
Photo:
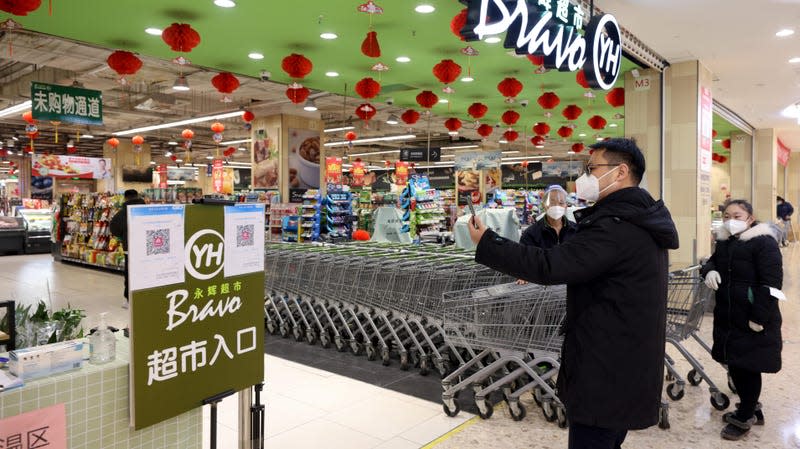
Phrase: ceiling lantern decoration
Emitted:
{"points": [[541, 129], [366, 111], [113, 142], [229, 152], [713, 133], [616, 97], [298, 94], [548, 100], [187, 135], [510, 117], [71, 149], [458, 22], [427, 99], [410, 117], [248, 116], [477, 110], [597, 122], [447, 71], [485, 130], [181, 37], [297, 66], [580, 78], [577, 147], [137, 142], [368, 88], [572, 112], [726, 144], [509, 88], [452, 124], [536, 60], [225, 83], [28, 117], [20, 7], [350, 136], [124, 63], [565, 132], [370, 47], [537, 141], [511, 135]]}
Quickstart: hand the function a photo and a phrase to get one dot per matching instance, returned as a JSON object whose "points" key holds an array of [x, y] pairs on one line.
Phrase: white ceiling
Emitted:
{"points": [[736, 40]]}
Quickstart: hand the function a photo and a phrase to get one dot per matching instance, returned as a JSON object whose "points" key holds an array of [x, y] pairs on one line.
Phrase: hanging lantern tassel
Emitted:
{"points": [[56, 123], [50, 7]]}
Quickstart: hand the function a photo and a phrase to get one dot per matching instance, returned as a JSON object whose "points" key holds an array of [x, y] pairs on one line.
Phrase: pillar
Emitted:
{"points": [[766, 174], [741, 166], [125, 156], [793, 184], [643, 123]]}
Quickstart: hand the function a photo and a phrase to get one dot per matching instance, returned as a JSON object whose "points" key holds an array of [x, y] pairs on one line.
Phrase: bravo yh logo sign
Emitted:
{"points": [[205, 254], [549, 28]]}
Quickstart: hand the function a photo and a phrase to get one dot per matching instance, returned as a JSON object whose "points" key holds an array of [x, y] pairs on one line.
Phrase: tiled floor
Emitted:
{"points": [[309, 407]]}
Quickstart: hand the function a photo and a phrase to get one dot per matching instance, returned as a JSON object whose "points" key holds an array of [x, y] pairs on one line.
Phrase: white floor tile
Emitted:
{"points": [[331, 393], [383, 417], [398, 443], [283, 413], [433, 428], [322, 433]]}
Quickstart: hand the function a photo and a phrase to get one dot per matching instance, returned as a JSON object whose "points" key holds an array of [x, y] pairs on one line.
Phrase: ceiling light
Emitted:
{"points": [[459, 147], [310, 106], [425, 9], [718, 140], [15, 138], [511, 152], [522, 158], [87, 136], [444, 163], [209, 157], [328, 36], [332, 74], [207, 118], [233, 142], [255, 55], [168, 154], [794, 61], [453, 133], [172, 142], [20, 153], [152, 162], [403, 59], [374, 152], [502, 141], [178, 160], [443, 100], [599, 139], [612, 125], [181, 84], [15, 109], [492, 40], [392, 120], [784, 32], [342, 128], [242, 149], [225, 3], [369, 140], [467, 79], [153, 31], [582, 135]]}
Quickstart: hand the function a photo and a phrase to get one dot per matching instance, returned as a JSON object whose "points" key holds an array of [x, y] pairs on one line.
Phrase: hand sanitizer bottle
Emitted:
{"points": [[102, 343]]}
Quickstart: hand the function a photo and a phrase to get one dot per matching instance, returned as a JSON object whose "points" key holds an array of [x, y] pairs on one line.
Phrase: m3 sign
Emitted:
{"points": [[550, 28]]}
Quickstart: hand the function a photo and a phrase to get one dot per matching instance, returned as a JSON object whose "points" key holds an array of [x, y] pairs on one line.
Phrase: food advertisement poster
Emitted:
{"points": [[468, 183], [333, 170], [478, 160], [266, 158], [217, 175], [71, 166], [357, 172], [42, 187], [162, 176], [401, 173], [304, 151], [492, 179]]}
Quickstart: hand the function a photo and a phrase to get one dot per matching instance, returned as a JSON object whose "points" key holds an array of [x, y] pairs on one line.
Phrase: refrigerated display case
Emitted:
{"points": [[38, 223], [12, 235]]}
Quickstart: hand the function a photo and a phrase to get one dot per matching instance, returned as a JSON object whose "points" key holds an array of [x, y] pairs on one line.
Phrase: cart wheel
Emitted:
{"points": [[424, 367], [355, 347], [517, 410], [669, 377], [561, 416], [454, 411], [284, 331], [675, 392], [340, 346], [271, 328], [311, 336], [444, 368], [489, 410], [385, 359], [694, 378], [413, 358], [663, 418], [371, 354], [720, 401], [325, 340], [548, 411], [538, 395], [298, 333], [404, 362], [731, 385]]}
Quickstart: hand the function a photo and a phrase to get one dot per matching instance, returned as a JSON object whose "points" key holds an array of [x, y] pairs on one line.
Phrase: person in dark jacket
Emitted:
{"points": [[119, 228], [746, 270], [615, 268], [554, 228], [785, 211]]}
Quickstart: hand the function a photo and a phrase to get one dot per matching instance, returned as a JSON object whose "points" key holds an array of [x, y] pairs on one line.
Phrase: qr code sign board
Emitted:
{"points": [[157, 242], [245, 235]]}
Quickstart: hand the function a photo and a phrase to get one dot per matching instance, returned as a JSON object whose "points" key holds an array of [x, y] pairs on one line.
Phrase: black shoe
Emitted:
{"points": [[736, 430], [758, 414]]}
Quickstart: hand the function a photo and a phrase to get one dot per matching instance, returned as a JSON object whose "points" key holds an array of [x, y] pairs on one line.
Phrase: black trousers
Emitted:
{"points": [[589, 437], [125, 288], [748, 386]]}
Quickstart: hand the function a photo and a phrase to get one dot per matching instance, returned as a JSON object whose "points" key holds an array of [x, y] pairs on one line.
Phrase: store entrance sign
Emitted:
{"points": [[549, 28], [51, 102]]}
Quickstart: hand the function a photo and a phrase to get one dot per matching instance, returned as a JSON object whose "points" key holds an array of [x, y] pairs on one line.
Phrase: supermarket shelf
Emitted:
{"points": [[93, 265]]}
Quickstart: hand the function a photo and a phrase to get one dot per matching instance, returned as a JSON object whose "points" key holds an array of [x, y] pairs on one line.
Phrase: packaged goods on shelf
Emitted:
{"points": [[84, 227]]}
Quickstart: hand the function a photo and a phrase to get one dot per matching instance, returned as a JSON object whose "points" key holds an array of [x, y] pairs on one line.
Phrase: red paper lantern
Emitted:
{"points": [[713, 133], [124, 62], [350, 135], [572, 112], [452, 124], [580, 77], [28, 117], [366, 111], [174, 158], [541, 129], [20, 7], [446, 71], [229, 151], [524, 164], [726, 144], [370, 47], [537, 141], [71, 149], [509, 87], [548, 100], [597, 122], [297, 95], [510, 117], [187, 134], [181, 37], [248, 116], [485, 130], [410, 117], [616, 97], [458, 22], [137, 140], [296, 66], [536, 60], [427, 99], [565, 132], [113, 142], [577, 147], [368, 88], [361, 235], [217, 127], [387, 164], [477, 110], [511, 135], [715, 157], [723, 159], [225, 82]]}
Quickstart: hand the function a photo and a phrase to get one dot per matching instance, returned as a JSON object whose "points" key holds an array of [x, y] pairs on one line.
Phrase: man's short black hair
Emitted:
{"points": [[781, 199], [623, 151], [131, 194]]}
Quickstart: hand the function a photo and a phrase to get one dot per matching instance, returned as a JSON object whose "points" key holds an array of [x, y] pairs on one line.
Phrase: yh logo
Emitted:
{"points": [[205, 254]]}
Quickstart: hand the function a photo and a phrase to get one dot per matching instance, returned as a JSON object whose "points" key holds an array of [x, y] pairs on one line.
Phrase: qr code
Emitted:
{"points": [[244, 235], [157, 242]]}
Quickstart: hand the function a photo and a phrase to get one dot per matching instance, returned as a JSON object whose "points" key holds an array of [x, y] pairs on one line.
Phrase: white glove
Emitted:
{"points": [[713, 279], [755, 326]]}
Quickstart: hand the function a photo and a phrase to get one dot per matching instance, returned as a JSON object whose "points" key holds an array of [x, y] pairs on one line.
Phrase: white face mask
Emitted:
{"points": [[736, 226], [556, 212], [588, 186]]}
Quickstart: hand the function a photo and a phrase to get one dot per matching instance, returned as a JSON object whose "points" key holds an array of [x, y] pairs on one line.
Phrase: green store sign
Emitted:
{"points": [[51, 102]]}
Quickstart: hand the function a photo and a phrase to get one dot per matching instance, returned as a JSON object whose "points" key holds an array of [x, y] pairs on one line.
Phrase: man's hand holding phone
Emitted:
{"points": [[476, 229]]}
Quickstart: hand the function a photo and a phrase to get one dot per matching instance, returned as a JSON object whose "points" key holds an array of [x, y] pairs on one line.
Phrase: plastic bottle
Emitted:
{"points": [[102, 344]]}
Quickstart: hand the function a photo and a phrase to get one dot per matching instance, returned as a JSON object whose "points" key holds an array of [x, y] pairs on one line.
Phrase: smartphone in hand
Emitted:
{"points": [[472, 211]]}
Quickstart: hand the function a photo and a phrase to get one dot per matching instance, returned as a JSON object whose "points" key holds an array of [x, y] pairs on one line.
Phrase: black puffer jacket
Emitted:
{"points": [[749, 264], [542, 235], [119, 223], [615, 268]]}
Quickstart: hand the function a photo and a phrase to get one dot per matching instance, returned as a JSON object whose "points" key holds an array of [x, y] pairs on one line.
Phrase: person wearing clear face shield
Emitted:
{"points": [[746, 271]]}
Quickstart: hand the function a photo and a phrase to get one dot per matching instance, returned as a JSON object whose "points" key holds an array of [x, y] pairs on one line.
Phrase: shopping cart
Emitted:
{"points": [[516, 331]]}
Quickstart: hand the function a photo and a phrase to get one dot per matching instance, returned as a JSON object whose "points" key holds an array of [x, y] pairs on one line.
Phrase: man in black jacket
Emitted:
{"points": [[554, 228], [119, 229], [615, 268]]}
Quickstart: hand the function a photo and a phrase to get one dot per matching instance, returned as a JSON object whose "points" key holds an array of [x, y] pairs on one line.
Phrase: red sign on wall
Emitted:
{"points": [[217, 175], [358, 171], [333, 170], [401, 173], [783, 153], [45, 428], [162, 176]]}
